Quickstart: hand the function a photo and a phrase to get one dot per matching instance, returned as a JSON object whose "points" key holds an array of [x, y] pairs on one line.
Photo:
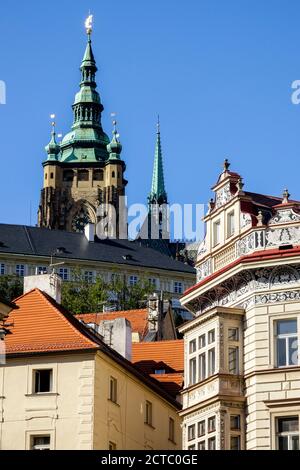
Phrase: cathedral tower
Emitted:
{"points": [[85, 168]]}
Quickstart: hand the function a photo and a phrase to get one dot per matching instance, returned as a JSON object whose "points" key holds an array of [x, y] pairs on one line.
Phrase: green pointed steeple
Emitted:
{"points": [[87, 141], [158, 193], [114, 148], [53, 148]]}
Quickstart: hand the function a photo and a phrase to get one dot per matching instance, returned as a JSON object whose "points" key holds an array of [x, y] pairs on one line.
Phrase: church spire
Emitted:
{"points": [[87, 107], [53, 147], [158, 193]]}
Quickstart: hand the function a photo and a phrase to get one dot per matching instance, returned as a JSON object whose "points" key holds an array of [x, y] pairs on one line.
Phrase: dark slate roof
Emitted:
{"points": [[34, 241]]}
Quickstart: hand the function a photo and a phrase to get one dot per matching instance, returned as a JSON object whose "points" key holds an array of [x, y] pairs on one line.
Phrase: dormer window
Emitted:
{"points": [[230, 224], [216, 233]]}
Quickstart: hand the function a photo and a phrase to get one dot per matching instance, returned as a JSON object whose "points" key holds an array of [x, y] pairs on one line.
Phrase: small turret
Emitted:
{"points": [[53, 148]]}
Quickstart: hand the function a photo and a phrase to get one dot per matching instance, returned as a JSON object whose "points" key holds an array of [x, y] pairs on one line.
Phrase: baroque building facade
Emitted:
{"points": [[242, 371]]}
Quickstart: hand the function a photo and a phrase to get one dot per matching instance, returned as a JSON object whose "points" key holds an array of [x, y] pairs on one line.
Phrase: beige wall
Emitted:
{"points": [[77, 414], [65, 414], [123, 423]]}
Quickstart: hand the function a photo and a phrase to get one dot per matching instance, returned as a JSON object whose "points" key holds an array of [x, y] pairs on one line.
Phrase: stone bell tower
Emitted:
{"points": [[85, 168]]}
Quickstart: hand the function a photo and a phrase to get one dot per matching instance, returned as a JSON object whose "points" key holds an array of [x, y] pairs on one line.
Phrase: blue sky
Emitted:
{"points": [[218, 72]]}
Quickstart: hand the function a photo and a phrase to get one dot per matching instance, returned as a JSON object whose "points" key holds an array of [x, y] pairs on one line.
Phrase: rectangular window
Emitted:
{"points": [[89, 276], [235, 422], [112, 445], [153, 282], [202, 341], [230, 224], [216, 233], [288, 433], [201, 445], [113, 389], [211, 424], [193, 346], [178, 288], [40, 443], [233, 360], [211, 336], [64, 273], [211, 443], [233, 334], [287, 343], [201, 428], [43, 381], [191, 432], [171, 429], [20, 270], [202, 367], [42, 270], [2, 269], [133, 280], [191, 447], [211, 361], [148, 413], [193, 371], [235, 442]]}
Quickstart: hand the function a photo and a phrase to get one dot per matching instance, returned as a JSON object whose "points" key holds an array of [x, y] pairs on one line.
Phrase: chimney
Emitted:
{"points": [[118, 335], [89, 232], [48, 283]]}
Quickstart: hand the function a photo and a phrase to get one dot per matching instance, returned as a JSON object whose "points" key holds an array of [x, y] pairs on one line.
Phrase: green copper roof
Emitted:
{"points": [[53, 149], [86, 141], [114, 148], [158, 193]]}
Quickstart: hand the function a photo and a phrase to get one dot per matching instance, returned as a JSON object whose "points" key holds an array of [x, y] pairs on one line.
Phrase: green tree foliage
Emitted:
{"points": [[11, 287], [82, 296]]}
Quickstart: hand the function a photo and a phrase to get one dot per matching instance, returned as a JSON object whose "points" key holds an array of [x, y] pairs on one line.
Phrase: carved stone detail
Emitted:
{"points": [[245, 219], [287, 235], [223, 196], [284, 216]]}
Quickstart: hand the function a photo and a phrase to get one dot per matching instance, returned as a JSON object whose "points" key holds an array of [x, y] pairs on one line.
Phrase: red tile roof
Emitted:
{"points": [[39, 325], [161, 355], [172, 383], [138, 319]]}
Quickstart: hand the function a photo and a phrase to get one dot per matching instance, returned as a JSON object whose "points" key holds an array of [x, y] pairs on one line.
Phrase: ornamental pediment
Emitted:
{"points": [[284, 216]]}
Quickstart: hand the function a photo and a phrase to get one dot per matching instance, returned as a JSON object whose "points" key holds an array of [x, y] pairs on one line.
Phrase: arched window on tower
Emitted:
{"points": [[83, 175], [113, 174], [98, 175], [68, 175]]}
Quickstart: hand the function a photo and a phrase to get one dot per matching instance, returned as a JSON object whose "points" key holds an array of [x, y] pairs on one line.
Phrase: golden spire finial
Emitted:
{"points": [[89, 25]]}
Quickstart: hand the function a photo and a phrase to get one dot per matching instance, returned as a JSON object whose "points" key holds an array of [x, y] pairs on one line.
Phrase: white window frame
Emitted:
{"points": [[285, 336], [133, 280], [287, 434], [64, 273], [230, 230], [178, 287], [20, 270], [216, 233]]}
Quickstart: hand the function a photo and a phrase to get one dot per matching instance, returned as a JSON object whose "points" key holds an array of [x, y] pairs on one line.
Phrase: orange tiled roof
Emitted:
{"points": [[40, 324], [167, 355], [161, 355], [138, 318], [172, 383]]}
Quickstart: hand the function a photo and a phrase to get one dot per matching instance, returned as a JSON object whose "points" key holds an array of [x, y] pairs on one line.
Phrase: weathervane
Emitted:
{"points": [[114, 122], [89, 25], [52, 117]]}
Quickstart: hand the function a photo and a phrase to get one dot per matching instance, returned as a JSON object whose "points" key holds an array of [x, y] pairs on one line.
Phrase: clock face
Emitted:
{"points": [[79, 222]]}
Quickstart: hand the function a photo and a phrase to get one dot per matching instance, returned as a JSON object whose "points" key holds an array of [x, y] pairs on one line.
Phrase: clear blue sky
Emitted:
{"points": [[218, 72]]}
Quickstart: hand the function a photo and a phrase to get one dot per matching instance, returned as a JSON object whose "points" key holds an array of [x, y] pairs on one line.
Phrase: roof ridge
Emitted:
{"points": [[63, 314]]}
